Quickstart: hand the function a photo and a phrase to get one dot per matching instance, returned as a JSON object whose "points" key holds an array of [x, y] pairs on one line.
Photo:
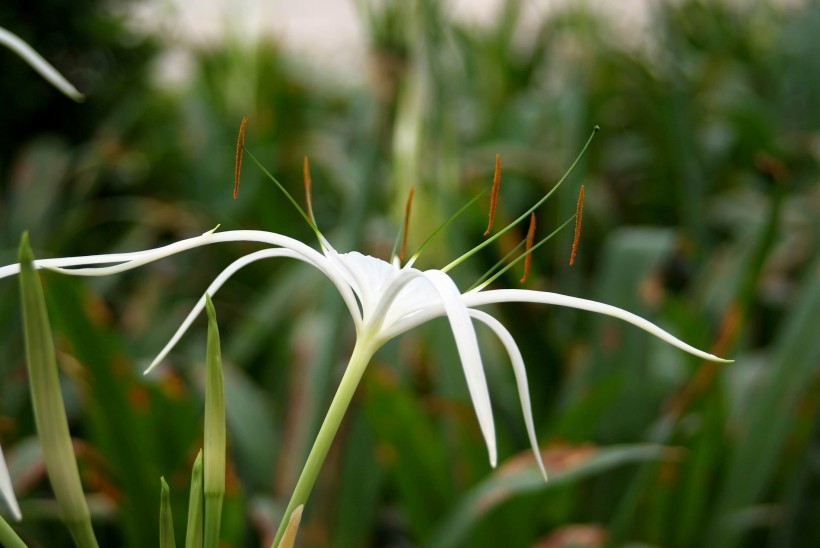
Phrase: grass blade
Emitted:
{"points": [[47, 400], [193, 535], [214, 454], [166, 519]]}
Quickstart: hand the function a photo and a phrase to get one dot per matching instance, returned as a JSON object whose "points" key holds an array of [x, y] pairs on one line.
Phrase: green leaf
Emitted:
{"points": [[193, 536], [166, 519], [47, 400], [8, 537], [521, 476], [214, 453]]}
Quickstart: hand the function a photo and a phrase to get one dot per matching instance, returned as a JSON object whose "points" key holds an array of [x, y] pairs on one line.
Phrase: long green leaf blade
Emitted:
{"points": [[47, 400], [166, 518], [193, 535], [214, 454]]}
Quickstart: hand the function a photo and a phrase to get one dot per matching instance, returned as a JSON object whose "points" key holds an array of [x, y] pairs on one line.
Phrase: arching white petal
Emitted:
{"points": [[520, 372], [36, 61], [543, 297], [467, 346], [6, 489], [214, 287]]}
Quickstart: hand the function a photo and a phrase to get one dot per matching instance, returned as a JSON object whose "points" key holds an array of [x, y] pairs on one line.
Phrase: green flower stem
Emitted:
{"points": [[47, 401], [8, 537], [365, 347]]}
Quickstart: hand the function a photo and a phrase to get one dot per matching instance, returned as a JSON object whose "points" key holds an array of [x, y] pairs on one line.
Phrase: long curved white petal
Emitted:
{"points": [[6, 489], [467, 346], [543, 297], [520, 372], [36, 61], [138, 258], [223, 277]]}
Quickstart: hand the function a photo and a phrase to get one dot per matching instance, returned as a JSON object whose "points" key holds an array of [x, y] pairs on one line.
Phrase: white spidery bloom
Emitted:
{"points": [[385, 300]]}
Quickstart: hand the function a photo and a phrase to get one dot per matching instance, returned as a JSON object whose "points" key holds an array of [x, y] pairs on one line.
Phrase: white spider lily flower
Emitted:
{"points": [[384, 300], [6, 490]]}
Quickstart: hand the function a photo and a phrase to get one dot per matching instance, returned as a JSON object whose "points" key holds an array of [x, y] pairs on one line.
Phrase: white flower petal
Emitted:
{"points": [[543, 297], [212, 289], [36, 61], [467, 346], [6, 489], [520, 372]]}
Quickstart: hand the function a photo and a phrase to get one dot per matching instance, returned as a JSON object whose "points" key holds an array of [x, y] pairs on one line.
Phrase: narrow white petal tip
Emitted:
{"points": [[151, 367], [214, 229]]}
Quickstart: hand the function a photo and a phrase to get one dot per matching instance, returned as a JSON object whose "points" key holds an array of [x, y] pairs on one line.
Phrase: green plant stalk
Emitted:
{"points": [[365, 347], [8, 537], [166, 519], [214, 453], [47, 400], [193, 534]]}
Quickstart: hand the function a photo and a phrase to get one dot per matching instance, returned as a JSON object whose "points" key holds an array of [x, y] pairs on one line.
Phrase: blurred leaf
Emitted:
{"points": [[520, 475]]}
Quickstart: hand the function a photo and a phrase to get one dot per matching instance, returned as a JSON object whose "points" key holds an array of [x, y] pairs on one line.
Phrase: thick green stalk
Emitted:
{"points": [[47, 400], [8, 537], [214, 453], [193, 535], [362, 352], [166, 519]]}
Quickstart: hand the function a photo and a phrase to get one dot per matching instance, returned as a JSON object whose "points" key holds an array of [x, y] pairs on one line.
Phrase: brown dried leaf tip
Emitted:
{"points": [[240, 146], [308, 188], [528, 248], [494, 193], [579, 216], [407, 208]]}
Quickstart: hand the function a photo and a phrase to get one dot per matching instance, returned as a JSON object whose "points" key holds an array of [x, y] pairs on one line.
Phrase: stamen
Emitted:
{"points": [[524, 215], [528, 248], [579, 215], [494, 193], [240, 146], [308, 188], [406, 229]]}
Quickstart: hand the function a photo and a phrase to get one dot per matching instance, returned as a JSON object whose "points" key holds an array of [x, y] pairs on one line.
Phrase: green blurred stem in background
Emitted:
{"points": [[365, 347], [47, 400]]}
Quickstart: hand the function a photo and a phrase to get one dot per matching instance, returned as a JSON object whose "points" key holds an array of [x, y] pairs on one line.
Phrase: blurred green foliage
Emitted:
{"points": [[701, 213]]}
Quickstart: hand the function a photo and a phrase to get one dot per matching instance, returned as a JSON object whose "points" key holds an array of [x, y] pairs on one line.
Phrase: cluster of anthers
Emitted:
{"points": [[386, 299]]}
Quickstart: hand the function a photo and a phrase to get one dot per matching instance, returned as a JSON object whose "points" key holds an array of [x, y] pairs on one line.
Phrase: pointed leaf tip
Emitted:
{"points": [[209, 308], [289, 538], [24, 254]]}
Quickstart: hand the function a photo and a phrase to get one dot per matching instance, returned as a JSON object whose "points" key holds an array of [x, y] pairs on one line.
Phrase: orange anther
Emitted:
{"points": [[308, 188], [579, 215], [406, 229], [240, 146], [494, 192], [528, 247]]}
